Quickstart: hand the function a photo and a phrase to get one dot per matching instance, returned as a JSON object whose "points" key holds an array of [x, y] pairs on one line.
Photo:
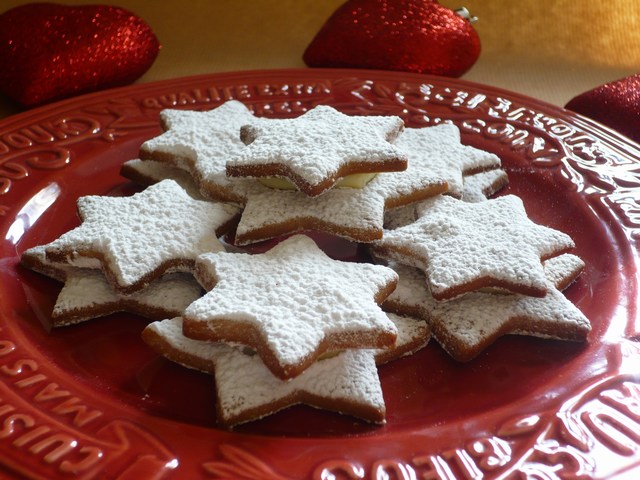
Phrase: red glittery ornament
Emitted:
{"points": [[50, 51], [413, 35], [615, 104]]}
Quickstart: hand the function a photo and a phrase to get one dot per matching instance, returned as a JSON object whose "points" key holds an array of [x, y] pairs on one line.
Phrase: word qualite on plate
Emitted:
{"points": [[49, 51]]}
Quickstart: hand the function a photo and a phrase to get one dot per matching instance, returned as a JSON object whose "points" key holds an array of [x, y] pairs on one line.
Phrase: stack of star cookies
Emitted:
{"points": [[292, 325], [132, 253], [308, 159], [476, 271]]}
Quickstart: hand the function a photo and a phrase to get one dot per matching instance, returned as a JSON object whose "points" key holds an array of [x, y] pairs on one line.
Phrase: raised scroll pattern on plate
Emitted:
{"points": [[238, 463], [601, 422]]}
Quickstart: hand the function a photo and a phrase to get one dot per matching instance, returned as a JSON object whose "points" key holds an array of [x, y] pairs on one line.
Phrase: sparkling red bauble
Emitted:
{"points": [[615, 104], [412, 35], [50, 51]]}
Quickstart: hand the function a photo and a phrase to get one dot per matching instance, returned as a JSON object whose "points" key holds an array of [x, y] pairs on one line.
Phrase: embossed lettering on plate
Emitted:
{"points": [[602, 423], [58, 428]]}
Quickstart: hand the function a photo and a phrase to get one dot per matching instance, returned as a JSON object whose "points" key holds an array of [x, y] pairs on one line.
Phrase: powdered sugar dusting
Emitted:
{"points": [[562, 270], [439, 149], [350, 378], [552, 316], [468, 324], [248, 390], [458, 243], [355, 214], [317, 144], [35, 258], [87, 294], [139, 237], [413, 335], [294, 296], [201, 143], [476, 188], [148, 172], [479, 186]]}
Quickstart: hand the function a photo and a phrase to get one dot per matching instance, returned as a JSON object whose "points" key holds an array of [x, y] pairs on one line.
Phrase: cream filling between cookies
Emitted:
{"points": [[356, 180], [328, 355]]}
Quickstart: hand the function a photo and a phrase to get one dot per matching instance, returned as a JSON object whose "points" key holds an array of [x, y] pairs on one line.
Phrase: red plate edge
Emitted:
{"points": [[54, 425]]}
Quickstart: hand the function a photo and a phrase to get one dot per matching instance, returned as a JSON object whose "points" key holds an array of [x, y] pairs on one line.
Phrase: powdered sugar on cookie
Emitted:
{"points": [[87, 294], [201, 143], [246, 390], [479, 186], [35, 258], [353, 213], [350, 213], [291, 304], [466, 246], [476, 188], [439, 148], [467, 325], [319, 147], [148, 172], [139, 238]]}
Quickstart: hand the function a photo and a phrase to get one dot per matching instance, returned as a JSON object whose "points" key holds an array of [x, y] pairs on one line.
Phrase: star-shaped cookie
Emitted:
{"points": [[148, 172], [201, 143], [467, 325], [465, 246], [291, 304], [437, 162], [477, 187], [480, 186], [246, 390], [139, 238], [86, 294], [353, 213], [316, 149], [440, 148]]}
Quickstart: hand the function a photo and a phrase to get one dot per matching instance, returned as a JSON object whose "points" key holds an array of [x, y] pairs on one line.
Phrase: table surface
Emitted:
{"points": [[551, 50]]}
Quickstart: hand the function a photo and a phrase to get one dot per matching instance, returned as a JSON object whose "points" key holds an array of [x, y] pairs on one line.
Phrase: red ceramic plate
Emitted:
{"points": [[92, 401]]}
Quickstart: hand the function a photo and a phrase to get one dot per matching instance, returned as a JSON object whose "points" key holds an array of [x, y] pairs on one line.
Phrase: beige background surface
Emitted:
{"points": [[551, 50]]}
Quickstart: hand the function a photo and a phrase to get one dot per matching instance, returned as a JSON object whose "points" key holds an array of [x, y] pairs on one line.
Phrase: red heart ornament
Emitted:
{"points": [[413, 35], [615, 104], [50, 51]]}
